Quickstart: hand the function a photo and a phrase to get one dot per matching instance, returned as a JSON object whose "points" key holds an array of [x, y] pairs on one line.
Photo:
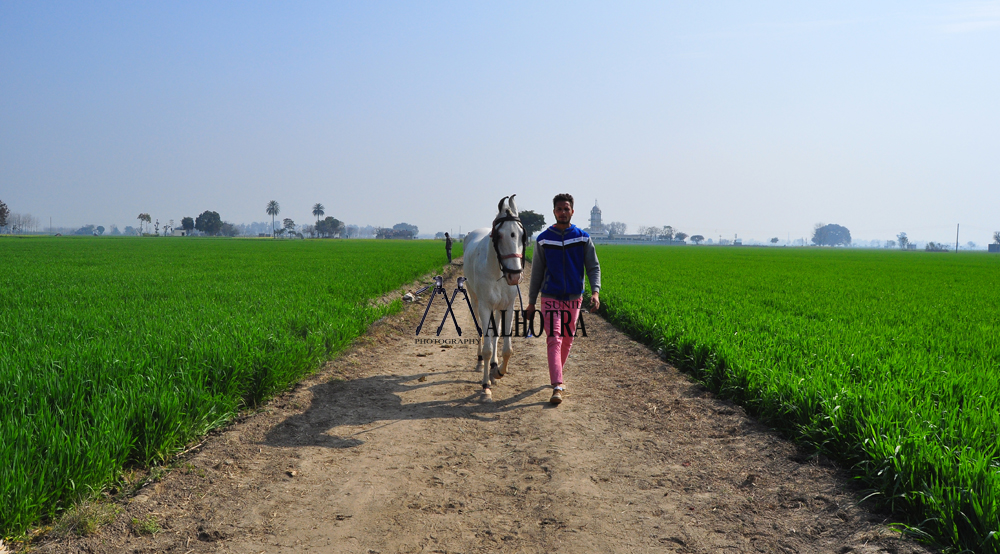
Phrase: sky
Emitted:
{"points": [[756, 119]]}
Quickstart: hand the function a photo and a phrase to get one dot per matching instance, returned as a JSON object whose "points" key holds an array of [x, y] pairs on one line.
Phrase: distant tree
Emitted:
{"points": [[229, 230], [329, 227], [288, 225], [318, 210], [144, 217], [652, 231], [401, 233], [209, 222], [936, 247], [616, 228], [129, 230], [157, 226], [996, 237], [774, 240], [831, 235], [187, 224], [352, 231], [697, 239], [4, 213], [114, 230], [272, 210], [890, 243], [100, 229], [903, 240], [680, 236], [533, 222], [404, 227], [970, 244], [667, 233], [85, 230]]}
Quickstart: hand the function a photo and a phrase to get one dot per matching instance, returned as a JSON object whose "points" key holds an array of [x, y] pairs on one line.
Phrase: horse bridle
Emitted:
{"points": [[495, 238]]}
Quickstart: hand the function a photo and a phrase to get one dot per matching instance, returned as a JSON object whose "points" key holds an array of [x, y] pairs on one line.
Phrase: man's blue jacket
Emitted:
{"points": [[559, 262]]}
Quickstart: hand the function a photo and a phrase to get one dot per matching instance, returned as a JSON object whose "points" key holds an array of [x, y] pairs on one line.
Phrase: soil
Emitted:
{"points": [[388, 449]]}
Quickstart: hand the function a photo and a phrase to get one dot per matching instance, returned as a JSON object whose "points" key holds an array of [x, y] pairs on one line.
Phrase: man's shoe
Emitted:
{"points": [[556, 395]]}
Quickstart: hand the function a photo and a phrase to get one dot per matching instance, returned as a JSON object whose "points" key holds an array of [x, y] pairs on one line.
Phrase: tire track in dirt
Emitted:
{"points": [[387, 450]]}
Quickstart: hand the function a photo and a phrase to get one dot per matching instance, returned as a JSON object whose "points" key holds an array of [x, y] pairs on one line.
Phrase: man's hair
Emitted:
{"points": [[564, 197], [447, 235]]}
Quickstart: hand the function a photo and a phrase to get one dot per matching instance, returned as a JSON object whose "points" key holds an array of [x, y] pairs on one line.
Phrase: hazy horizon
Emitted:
{"points": [[721, 119]]}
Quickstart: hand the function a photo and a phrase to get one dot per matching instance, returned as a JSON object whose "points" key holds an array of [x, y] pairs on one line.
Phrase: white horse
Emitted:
{"points": [[494, 263]]}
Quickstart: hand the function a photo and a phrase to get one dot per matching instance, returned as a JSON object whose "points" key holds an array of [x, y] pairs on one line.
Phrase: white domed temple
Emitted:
{"points": [[596, 226]]}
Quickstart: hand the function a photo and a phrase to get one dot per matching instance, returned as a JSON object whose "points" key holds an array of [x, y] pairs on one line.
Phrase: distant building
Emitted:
{"points": [[179, 233], [995, 248], [596, 225]]}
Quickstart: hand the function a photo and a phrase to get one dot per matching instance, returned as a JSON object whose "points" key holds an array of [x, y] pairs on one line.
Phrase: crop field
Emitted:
{"points": [[886, 361], [117, 352]]}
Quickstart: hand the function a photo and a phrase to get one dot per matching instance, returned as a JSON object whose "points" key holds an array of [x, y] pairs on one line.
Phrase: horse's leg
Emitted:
{"points": [[479, 348], [508, 348], [495, 374], [487, 348]]}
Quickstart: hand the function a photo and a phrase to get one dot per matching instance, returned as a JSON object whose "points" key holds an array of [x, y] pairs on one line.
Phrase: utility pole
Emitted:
{"points": [[957, 225]]}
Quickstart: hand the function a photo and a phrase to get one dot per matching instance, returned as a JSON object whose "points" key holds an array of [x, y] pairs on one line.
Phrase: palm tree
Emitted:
{"points": [[272, 210], [318, 211]]}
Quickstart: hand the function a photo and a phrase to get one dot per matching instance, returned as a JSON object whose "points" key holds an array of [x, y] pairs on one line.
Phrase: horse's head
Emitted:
{"points": [[509, 240]]}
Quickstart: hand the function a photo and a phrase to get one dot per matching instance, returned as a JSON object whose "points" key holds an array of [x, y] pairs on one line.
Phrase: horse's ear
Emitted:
{"points": [[500, 205], [513, 206]]}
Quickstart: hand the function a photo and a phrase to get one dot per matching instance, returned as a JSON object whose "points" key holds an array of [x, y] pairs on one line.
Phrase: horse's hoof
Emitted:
{"points": [[487, 396]]}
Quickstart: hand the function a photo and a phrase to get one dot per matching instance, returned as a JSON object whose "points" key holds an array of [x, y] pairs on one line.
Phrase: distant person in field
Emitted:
{"points": [[563, 252], [447, 246]]}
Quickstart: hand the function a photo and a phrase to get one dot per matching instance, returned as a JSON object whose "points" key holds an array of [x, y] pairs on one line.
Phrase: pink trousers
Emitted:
{"points": [[559, 319]]}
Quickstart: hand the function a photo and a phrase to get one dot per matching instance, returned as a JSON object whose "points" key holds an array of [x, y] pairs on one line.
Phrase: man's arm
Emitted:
{"points": [[537, 274], [593, 267]]}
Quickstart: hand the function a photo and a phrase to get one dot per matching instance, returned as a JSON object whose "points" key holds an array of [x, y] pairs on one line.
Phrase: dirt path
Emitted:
{"points": [[388, 450]]}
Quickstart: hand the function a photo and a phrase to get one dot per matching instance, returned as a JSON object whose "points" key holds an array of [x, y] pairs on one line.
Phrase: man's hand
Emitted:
{"points": [[595, 303], [529, 311]]}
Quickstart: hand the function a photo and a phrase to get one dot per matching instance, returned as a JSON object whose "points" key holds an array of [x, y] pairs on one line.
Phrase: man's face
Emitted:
{"points": [[563, 212]]}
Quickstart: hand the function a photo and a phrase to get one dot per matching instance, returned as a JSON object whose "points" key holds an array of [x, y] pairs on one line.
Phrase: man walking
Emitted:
{"points": [[447, 246], [563, 252]]}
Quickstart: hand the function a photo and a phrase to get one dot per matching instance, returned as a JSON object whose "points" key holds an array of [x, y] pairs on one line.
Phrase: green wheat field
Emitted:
{"points": [[886, 361], [118, 352]]}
